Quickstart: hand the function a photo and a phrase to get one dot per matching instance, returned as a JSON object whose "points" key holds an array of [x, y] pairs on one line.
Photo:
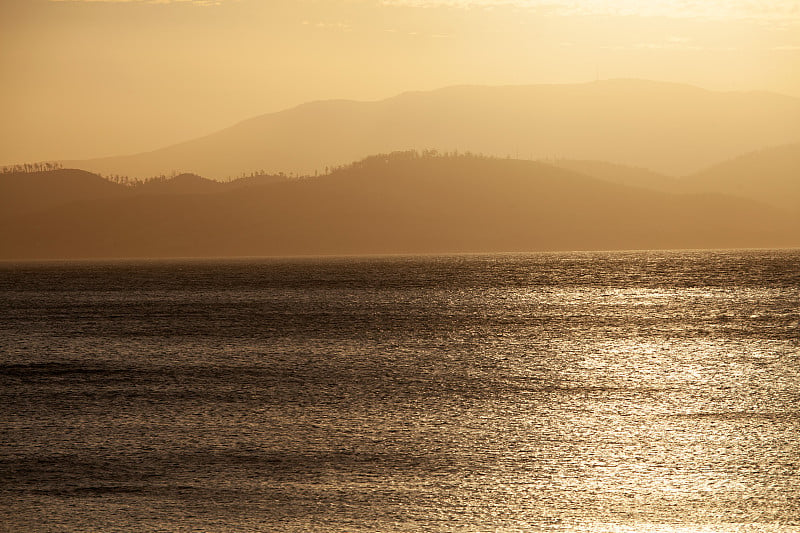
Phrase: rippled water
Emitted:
{"points": [[641, 391]]}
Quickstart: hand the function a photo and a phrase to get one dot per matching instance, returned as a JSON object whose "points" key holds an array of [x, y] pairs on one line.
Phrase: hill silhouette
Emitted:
{"points": [[180, 184], [23, 192], [770, 175], [32, 192], [622, 174], [398, 203], [670, 128]]}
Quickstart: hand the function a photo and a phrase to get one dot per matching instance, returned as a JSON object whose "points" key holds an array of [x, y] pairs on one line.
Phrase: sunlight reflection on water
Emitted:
{"points": [[562, 392]]}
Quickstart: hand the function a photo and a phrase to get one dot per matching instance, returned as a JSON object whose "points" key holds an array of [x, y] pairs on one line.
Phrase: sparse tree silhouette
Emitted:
{"points": [[26, 168]]}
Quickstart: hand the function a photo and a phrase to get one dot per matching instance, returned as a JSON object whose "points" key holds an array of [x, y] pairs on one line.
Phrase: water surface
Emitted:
{"points": [[628, 391]]}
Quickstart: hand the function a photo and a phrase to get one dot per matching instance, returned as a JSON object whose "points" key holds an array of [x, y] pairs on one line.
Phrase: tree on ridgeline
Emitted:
{"points": [[27, 168]]}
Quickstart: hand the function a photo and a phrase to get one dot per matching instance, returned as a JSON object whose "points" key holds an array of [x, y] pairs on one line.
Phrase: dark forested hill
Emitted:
{"points": [[23, 192], [399, 203]]}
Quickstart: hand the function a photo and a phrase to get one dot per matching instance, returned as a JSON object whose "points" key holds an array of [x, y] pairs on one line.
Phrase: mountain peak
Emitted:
{"points": [[667, 127]]}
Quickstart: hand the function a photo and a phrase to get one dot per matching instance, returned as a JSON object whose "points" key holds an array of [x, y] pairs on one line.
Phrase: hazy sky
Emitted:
{"points": [[88, 78]]}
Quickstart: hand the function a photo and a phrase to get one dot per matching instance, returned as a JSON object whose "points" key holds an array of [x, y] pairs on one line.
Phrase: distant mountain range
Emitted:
{"points": [[397, 203], [667, 128]]}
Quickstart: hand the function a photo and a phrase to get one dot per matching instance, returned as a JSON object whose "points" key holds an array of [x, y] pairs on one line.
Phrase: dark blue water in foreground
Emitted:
{"points": [[642, 391]]}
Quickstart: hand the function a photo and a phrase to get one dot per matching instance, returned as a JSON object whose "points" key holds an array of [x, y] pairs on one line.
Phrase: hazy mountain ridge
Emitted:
{"points": [[398, 203], [771, 175], [621, 174], [670, 128]]}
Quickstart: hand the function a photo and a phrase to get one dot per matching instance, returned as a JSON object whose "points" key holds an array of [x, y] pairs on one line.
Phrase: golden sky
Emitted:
{"points": [[88, 78]]}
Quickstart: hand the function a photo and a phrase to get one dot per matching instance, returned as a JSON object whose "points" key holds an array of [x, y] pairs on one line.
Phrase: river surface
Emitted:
{"points": [[586, 392]]}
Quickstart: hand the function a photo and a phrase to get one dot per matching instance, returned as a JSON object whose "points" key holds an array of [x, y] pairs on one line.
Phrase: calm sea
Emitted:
{"points": [[631, 391]]}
